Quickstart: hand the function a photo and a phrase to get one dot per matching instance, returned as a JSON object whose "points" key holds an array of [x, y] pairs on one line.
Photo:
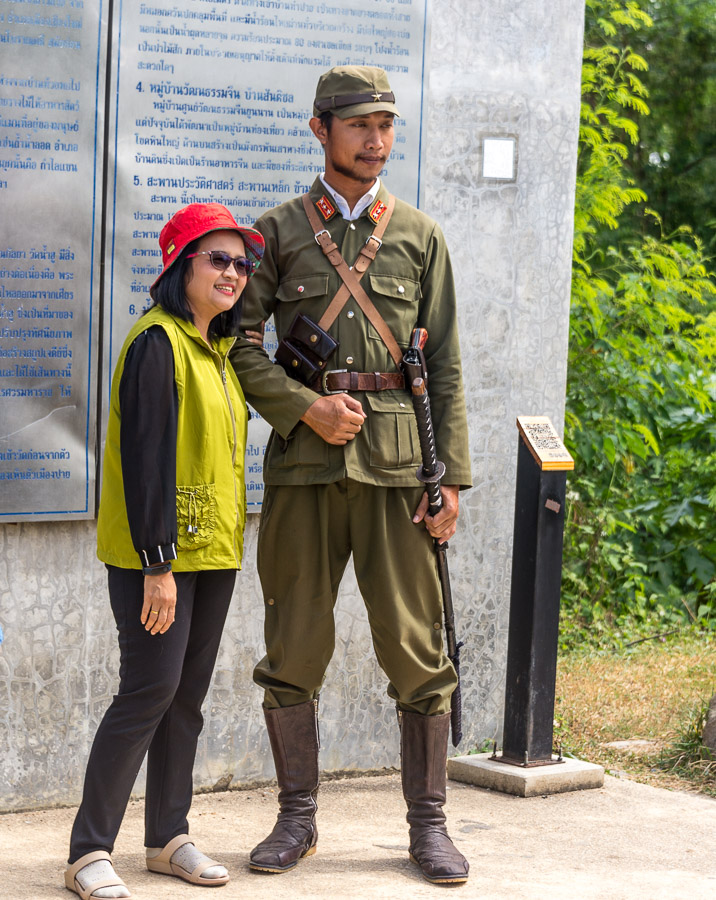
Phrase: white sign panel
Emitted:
{"points": [[51, 128], [212, 104]]}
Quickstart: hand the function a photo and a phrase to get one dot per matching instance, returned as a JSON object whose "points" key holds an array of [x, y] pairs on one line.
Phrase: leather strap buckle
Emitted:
{"points": [[324, 380], [319, 233]]}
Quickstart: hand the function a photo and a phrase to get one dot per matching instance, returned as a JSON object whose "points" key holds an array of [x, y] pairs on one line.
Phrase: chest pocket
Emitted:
{"points": [[308, 290], [302, 287], [397, 301]]}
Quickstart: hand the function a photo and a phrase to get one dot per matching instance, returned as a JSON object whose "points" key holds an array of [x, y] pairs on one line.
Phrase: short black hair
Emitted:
{"points": [[171, 296]]}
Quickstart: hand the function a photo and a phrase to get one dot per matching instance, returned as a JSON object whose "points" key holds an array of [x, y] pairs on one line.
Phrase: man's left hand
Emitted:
{"points": [[444, 524]]}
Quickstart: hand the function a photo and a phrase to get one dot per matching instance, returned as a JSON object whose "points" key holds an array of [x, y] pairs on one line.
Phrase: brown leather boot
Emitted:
{"points": [[423, 750], [293, 732]]}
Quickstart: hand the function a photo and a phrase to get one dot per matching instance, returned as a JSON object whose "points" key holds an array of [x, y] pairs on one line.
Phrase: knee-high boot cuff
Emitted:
{"points": [[293, 733], [423, 752]]}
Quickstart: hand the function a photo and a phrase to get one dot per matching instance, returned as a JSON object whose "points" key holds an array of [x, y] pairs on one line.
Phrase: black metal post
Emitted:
{"points": [[534, 603]]}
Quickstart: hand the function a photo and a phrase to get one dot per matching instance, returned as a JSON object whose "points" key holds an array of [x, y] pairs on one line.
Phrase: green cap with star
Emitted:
{"points": [[349, 91]]}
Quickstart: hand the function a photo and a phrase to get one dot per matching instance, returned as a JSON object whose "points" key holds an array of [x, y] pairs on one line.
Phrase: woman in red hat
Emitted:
{"points": [[170, 532]]}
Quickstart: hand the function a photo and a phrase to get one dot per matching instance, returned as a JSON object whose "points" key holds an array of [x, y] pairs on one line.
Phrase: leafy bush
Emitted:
{"points": [[640, 535]]}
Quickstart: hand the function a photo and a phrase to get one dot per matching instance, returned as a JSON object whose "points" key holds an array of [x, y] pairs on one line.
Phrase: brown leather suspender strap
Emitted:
{"points": [[351, 277]]}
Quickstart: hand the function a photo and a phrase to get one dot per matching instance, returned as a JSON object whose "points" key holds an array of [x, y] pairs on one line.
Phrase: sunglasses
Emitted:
{"points": [[221, 261]]}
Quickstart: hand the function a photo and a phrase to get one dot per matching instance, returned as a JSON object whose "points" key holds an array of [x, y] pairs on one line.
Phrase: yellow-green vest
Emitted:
{"points": [[211, 443]]}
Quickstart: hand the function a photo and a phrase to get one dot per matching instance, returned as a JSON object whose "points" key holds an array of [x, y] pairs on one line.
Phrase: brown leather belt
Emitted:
{"points": [[338, 380]]}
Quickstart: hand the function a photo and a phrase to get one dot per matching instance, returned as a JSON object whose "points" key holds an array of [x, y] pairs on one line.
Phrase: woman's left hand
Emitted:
{"points": [[160, 600]]}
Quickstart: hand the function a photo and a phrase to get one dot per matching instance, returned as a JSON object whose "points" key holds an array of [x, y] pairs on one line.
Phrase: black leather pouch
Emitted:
{"points": [[307, 333], [305, 350]]}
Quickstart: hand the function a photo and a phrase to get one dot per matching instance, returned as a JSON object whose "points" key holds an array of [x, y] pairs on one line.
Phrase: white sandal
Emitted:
{"points": [[72, 884]]}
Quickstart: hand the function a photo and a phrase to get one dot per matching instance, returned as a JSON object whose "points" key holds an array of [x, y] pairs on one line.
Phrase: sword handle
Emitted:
{"points": [[419, 338], [432, 470]]}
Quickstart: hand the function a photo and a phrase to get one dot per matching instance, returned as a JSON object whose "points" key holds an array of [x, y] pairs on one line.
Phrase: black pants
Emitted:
{"points": [[164, 679]]}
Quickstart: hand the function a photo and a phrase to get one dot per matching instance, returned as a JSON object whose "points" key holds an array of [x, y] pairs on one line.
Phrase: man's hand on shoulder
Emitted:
{"points": [[256, 337], [444, 524], [336, 418]]}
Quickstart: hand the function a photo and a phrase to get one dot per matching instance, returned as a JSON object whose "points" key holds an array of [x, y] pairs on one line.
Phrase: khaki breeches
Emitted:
{"points": [[306, 536]]}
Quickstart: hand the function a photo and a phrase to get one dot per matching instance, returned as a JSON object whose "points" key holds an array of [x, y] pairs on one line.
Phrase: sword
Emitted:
{"points": [[430, 473]]}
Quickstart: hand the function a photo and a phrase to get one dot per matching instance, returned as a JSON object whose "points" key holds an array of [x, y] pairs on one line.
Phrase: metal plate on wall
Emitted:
{"points": [[52, 74]]}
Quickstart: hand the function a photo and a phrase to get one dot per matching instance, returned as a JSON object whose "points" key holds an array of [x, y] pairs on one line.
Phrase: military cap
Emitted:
{"points": [[354, 91]]}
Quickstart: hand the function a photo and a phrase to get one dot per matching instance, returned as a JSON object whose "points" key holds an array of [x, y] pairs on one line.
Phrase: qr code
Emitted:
{"points": [[543, 437]]}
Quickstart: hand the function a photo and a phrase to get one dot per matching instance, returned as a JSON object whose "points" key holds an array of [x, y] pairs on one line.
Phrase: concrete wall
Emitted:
{"points": [[499, 68]]}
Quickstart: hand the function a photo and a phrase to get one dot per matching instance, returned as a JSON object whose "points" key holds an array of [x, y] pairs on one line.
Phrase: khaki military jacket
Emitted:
{"points": [[411, 284]]}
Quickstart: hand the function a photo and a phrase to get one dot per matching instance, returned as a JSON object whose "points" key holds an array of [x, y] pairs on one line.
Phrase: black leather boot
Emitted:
{"points": [[423, 750], [293, 732]]}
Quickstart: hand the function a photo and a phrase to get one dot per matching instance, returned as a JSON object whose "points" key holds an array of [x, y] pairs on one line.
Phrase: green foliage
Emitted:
{"points": [[675, 158], [604, 632], [641, 390], [485, 747]]}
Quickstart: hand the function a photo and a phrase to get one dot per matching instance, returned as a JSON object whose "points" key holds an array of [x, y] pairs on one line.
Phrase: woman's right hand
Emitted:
{"points": [[160, 600]]}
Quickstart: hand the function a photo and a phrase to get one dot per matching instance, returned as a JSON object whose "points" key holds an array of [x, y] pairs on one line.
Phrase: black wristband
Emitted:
{"points": [[157, 570]]}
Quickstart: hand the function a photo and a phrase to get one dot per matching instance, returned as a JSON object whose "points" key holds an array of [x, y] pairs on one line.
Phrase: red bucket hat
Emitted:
{"points": [[196, 220]]}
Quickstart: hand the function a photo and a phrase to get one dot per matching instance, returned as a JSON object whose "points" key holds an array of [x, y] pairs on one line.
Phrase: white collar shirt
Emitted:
{"points": [[364, 202]]}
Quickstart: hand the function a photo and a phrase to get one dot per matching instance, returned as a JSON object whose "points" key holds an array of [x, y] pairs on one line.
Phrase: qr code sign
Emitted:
{"points": [[544, 443], [543, 437]]}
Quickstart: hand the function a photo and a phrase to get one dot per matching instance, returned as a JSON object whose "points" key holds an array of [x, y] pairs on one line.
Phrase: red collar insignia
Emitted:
{"points": [[326, 208], [377, 211]]}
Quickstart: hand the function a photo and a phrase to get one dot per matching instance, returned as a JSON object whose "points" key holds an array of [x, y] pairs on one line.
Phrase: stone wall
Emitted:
{"points": [[499, 68]]}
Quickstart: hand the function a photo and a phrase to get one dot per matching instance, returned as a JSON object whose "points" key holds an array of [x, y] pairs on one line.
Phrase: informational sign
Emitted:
{"points": [[543, 442], [213, 99], [52, 65], [209, 100]]}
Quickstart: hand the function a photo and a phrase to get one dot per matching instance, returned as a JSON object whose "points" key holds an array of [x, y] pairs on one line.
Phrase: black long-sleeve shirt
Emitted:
{"points": [[149, 406]]}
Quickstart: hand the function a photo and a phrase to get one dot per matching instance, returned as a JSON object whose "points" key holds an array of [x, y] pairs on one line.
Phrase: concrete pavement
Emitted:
{"points": [[625, 841]]}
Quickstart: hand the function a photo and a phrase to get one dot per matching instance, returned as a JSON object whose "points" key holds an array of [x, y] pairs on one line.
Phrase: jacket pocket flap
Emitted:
{"points": [[389, 401], [395, 287], [302, 287]]}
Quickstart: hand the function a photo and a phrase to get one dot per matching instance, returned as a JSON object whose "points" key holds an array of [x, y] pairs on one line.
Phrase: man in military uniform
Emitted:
{"points": [[340, 467]]}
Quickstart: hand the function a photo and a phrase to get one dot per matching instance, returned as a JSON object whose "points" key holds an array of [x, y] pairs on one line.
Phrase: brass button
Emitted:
{"points": [[401, 289], [294, 363], [403, 405], [270, 601], [352, 227], [350, 314], [436, 625], [349, 359], [313, 338]]}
